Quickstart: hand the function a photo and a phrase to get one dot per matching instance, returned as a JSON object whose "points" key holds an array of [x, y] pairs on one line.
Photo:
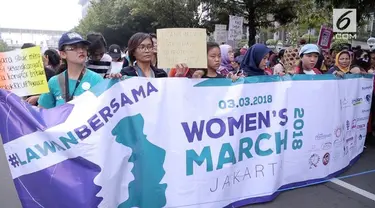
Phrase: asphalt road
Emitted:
{"points": [[8, 194], [331, 195], [326, 195]]}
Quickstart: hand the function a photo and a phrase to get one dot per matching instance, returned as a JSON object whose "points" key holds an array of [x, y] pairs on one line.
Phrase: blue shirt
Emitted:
{"points": [[54, 97]]}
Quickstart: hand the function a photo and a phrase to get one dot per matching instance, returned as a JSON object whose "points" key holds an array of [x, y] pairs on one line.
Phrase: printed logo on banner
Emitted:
{"points": [[360, 137], [368, 98], [338, 131], [326, 158], [361, 126], [357, 101], [354, 123], [351, 142], [327, 146], [322, 136], [314, 160], [344, 104], [347, 125], [366, 118], [153, 159], [367, 88], [366, 111]]}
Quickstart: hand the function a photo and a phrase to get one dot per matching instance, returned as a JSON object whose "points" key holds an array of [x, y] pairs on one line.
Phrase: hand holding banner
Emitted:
{"points": [[111, 148]]}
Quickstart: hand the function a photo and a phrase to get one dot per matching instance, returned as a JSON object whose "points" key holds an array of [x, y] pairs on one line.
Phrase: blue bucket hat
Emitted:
{"points": [[309, 48], [71, 38]]}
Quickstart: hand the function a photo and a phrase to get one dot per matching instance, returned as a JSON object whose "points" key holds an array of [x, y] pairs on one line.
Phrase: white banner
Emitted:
{"points": [[179, 142], [235, 28]]}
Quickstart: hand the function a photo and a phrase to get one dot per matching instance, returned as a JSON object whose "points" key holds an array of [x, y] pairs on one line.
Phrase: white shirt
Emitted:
{"points": [[308, 71], [106, 57]]}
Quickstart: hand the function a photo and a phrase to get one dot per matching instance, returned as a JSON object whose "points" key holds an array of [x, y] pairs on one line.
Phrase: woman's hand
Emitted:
{"points": [[181, 70], [114, 76], [339, 74], [198, 74], [234, 77], [32, 100], [281, 74]]}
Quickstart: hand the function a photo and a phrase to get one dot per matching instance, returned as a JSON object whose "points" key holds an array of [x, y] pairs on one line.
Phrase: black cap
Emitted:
{"points": [[27, 45], [114, 51], [71, 38], [358, 47]]}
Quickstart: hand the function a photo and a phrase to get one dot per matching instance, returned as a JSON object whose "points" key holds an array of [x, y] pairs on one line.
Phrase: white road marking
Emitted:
{"points": [[354, 189]]}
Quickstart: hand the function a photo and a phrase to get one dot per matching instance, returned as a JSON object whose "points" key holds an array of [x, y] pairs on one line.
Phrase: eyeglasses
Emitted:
{"points": [[75, 47], [144, 48]]}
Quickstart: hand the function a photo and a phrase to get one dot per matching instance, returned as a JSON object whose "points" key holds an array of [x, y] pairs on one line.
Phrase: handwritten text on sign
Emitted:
{"points": [[221, 33], [182, 45], [22, 72], [235, 28]]}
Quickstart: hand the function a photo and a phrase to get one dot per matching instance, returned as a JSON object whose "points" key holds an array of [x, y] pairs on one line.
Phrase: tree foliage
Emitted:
{"points": [[117, 20], [168, 13], [3, 46], [364, 7], [257, 13]]}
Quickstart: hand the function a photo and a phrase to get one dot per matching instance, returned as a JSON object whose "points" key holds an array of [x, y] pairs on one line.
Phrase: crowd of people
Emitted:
{"points": [[79, 64]]}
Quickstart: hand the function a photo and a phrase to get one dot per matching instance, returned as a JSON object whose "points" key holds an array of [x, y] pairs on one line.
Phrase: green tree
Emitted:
{"points": [[112, 19], [3, 46], [118, 20], [364, 7], [168, 13], [256, 13], [306, 21]]}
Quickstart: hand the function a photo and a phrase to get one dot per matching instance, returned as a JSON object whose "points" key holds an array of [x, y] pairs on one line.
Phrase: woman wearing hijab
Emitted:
{"points": [[342, 64], [227, 57], [255, 60]]}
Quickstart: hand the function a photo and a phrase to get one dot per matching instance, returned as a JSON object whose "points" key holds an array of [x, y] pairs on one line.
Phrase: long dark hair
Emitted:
{"points": [[211, 45], [53, 58], [63, 66], [134, 42], [97, 41]]}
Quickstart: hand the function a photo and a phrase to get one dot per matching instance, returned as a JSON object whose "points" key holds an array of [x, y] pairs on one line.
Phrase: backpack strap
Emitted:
{"points": [[61, 78]]}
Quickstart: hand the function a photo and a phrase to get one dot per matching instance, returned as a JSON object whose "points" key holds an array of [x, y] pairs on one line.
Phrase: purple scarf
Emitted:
{"points": [[225, 65]]}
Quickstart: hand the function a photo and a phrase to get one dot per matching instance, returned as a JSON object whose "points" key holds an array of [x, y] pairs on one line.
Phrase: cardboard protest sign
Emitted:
{"points": [[22, 72], [182, 45], [235, 28], [221, 33]]}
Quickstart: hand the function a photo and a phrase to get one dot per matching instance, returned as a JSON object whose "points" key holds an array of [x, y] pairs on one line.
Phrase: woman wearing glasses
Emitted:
{"points": [[141, 49], [75, 79]]}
